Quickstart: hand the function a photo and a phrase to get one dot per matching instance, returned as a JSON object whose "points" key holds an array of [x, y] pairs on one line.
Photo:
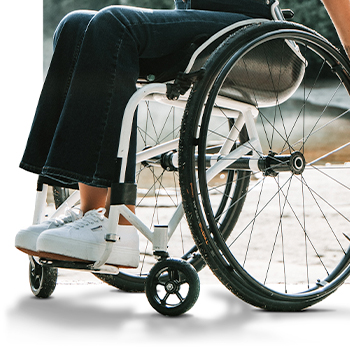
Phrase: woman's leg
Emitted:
{"points": [[84, 145], [98, 197], [67, 42], [92, 197]]}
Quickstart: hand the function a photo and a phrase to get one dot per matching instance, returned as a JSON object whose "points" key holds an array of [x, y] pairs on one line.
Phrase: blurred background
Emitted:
{"points": [[310, 13]]}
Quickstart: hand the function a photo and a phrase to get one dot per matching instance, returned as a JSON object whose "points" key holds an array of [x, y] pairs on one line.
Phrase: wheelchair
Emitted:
{"points": [[252, 163]]}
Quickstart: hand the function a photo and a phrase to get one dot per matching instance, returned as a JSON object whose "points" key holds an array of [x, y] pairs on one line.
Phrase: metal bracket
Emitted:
{"points": [[182, 83], [160, 241], [321, 283]]}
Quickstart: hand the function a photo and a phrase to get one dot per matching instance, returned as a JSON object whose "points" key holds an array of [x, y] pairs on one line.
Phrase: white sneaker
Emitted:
{"points": [[26, 239], [84, 240]]}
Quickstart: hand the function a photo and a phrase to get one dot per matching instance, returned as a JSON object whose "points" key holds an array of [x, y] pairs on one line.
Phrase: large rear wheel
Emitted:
{"points": [[289, 247]]}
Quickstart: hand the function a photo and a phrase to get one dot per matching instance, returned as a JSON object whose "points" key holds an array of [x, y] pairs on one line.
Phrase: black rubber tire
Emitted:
{"points": [[168, 277], [208, 237], [42, 279]]}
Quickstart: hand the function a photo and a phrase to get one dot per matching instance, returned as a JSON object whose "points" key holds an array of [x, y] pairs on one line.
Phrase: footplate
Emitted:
{"points": [[72, 265]]}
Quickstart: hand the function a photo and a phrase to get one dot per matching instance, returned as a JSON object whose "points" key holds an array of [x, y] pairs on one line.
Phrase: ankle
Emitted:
{"points": [[92, 197], [84, 210]]}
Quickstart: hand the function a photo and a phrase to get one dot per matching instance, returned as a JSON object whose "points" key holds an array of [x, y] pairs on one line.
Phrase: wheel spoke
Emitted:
{"points": [[322, 212], [322, 158], [180, 297], [252, 228], [280, 230], [164, 300], [259, 212]]}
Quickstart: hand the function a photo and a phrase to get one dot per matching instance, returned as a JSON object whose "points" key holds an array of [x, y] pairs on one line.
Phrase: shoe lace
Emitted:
{"points": [[91, 217], [70, 215]]}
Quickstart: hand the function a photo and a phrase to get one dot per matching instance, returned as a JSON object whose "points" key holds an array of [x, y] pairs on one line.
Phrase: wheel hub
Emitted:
{"points": [[171, 287], [274, 164], [297, 163]]}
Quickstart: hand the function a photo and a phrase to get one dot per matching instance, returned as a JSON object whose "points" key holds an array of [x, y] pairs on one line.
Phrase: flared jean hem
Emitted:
{"points": [[65, 177]]}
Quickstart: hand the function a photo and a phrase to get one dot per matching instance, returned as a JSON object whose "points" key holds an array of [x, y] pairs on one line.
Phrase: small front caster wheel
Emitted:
{"points": [[42, 279], [172, 287]]}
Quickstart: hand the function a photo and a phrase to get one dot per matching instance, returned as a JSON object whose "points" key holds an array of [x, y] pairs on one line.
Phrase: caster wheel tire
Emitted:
{"points": [[172, 287], [42, 279]]}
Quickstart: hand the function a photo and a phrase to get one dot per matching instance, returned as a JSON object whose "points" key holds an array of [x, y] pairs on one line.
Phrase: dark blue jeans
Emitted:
{"points": [[92, 75]]}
